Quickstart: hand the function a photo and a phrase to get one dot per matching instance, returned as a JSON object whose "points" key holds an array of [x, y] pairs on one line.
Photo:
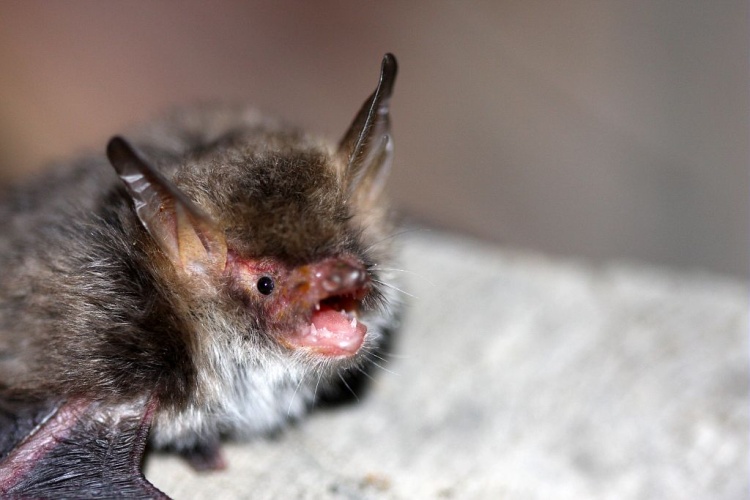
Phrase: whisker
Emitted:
{"points": [[347, 386], [382, 367], [364, 372], [288, 364], [388, 356], [294, 395], [381, 282], [394, 355], [395, 235], [380, 266], [372, 353], [315, 392], [418, 275]]}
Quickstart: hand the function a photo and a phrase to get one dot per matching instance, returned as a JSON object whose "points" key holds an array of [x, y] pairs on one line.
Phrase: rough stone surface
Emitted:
{"points": [[520, 376]]}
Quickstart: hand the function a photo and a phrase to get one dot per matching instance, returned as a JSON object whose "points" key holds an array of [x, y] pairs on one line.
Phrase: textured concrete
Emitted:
{"points": [[520, 376]]}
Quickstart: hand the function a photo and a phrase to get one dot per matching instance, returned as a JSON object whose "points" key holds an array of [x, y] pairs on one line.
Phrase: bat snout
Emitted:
{"points": [[340, 276], [331, 292]]}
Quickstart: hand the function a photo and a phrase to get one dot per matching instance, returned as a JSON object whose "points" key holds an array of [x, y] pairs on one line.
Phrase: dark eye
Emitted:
{"points": [[265, 285]]}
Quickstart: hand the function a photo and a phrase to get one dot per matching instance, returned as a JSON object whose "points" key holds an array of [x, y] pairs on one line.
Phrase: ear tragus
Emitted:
{"points": [[367, 147], [183, 232]]}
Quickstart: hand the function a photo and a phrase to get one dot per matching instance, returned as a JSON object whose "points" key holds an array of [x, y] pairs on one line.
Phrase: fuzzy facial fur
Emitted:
{"points": [[150, 285]]}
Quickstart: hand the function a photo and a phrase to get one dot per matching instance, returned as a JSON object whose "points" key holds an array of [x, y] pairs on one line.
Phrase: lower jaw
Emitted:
{"points": [[330, 333]]}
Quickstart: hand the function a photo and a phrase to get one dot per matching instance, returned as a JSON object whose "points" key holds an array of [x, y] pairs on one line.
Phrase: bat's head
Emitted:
{"points": [[268, 240]]}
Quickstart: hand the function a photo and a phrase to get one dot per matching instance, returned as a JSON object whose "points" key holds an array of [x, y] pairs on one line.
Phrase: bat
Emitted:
{"points": [[211, 277]]}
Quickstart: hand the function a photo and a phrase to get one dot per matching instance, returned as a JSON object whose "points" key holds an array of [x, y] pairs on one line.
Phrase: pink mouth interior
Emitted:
{"points": [[334, 333]]}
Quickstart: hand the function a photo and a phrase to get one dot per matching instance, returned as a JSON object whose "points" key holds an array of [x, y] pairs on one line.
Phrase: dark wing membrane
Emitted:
{"points": [[74, 449], [19, 419]]}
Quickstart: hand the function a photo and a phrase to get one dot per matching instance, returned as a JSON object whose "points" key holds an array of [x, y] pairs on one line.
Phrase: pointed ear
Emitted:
{"points": [[187, 236], [367, 147]]}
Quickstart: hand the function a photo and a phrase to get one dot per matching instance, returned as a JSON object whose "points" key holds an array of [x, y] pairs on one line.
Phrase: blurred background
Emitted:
{"points": [[596, 128]]}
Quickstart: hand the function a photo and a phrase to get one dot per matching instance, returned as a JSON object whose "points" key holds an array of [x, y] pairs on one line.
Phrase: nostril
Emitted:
{"points": [[332, 282], [342, 276], [355, 276]]}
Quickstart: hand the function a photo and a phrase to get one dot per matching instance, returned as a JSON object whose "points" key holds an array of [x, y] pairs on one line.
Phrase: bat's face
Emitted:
{"points": [[315, 307], [300, 249]]}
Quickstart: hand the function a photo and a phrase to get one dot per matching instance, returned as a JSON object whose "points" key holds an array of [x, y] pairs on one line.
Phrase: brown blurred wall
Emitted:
{"points": [[602, 129]]}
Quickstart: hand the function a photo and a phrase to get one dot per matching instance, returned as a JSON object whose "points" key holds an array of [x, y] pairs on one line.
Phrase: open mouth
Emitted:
{"points": [[334, 333], [334, 328]]}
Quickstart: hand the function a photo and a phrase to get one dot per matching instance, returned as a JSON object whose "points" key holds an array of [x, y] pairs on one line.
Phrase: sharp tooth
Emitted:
{"points": [[317, 306], [354, 323]]}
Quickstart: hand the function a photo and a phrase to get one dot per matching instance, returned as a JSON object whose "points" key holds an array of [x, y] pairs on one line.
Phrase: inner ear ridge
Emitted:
{"points": [[370, 181], [181, 229]]}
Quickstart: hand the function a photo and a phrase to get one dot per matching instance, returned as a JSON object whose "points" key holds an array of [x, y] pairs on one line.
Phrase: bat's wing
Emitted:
{"points": [[74, 449]]}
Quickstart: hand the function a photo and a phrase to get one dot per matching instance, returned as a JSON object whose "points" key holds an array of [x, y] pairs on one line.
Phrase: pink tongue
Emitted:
{"points": [[334, 333]]}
